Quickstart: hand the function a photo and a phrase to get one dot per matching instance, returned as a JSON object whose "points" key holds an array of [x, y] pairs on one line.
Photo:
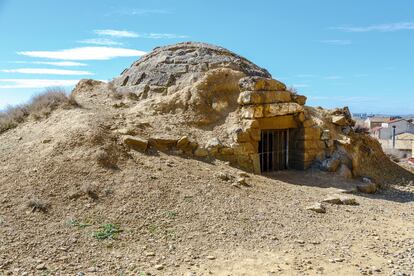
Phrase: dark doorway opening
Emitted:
{"points": [[273, 150]]}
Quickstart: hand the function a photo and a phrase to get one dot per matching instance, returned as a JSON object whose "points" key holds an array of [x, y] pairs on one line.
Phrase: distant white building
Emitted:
{"points": [[403, 144], [387, 128], [372, 122]]}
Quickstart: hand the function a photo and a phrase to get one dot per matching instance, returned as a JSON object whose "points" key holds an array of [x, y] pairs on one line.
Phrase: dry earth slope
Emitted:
{"points": [[75, 201]]}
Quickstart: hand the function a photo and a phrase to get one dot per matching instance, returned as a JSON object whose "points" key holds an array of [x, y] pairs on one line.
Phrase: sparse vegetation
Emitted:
{"points": [[76, 223], [106, 158], [39, 107], [293, 90], [113, 92], [38, 205], [171, 214], [152, 228], [107, 231], [90, 190]]}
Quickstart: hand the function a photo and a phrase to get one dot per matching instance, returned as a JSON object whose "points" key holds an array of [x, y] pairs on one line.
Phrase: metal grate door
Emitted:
{"points": [[273, 150]]}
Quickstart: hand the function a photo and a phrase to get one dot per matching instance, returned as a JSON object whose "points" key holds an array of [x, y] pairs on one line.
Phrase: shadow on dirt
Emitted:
{"points": [[317, 178]]}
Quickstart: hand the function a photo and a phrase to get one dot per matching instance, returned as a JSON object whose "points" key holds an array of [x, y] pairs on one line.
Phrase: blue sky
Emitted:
{"points": [[355, 53]]}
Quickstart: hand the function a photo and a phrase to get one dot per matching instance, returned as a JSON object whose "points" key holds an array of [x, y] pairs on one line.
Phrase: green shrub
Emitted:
{"points": [[107, 231]]}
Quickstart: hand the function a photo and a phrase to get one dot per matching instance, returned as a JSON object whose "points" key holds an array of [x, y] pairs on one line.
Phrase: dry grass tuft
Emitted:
{"points": [[293, 90], [40, 106], [38, 205], [90, 190], [106, 158]]}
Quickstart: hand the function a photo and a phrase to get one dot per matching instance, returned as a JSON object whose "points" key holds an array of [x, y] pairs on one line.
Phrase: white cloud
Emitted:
{"points": [[34, 83], [161, 36], [116, 33], [300, 85], [143, 12], [100, 41], [305, 76], [336, 42], [43, 71], [85, 53], [393, 27], [333, 77], [129, 34], [54, 63]]}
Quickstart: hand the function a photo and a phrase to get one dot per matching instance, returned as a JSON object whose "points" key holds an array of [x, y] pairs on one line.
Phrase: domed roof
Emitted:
{"points": [[165, 66]]}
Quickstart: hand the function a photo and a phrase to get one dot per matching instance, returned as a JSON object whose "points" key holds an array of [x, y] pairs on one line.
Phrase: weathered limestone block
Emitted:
{"points": [[244, 161], [299, 99], [308, 123], [250, 97], [163, 142], [264, 97], [251, 124], [311, 133], [183, 143], [301, 117], [339, 120], [252, 111], [260, 84], [309, 145], [226, 151], [279, 122], [279, 109], [277, 96], [245, 148], [214, 145], [201, 152], [243, 137], [255, 134], [255, 162], [136, 143]]}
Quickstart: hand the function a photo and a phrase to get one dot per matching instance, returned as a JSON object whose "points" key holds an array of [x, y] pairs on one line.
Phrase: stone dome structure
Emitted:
{"points": [[203, 101]]}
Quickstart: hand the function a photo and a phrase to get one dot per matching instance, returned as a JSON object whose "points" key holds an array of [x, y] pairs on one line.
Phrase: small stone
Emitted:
{"points": [[340, 200], [243, 174], [150, 254], [317, 207], [210, 257], [367, 188], [333, 200], [92, 269], [136, 143], [46, 141], [242, 181], [223, 176], [41, 266], [349, 201], [159, 267]]}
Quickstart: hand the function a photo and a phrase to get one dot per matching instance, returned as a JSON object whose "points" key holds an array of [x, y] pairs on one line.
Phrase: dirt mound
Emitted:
{"points": [[127, 185]]}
